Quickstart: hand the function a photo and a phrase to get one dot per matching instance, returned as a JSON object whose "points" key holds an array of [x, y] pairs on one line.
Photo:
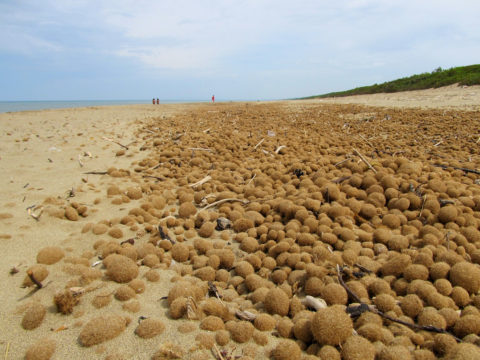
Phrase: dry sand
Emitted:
{"points": [[454, 96], [44, 157]]}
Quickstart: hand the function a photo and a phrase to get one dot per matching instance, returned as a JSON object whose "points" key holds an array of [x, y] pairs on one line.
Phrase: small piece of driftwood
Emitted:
{"points": [[259, 143], [314, 303], [279, 148], [473, 171], [224, 201], [159, 178], [245, 315], [34, 280], [96, 172], [201, 182], [364, 160], [115, 142], [200, 149]]}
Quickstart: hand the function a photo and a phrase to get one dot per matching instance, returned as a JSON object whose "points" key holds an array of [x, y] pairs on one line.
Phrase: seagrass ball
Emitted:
{"points": [[41, 350], [212, 323], [102, 328], [264, 322], [180, 252], [466, 275], [222, 337], [285, 327], [33, 316], [286, 350], [124, 293], [331, 326], [328, 352], [120, 268], [394, 352], [358, 348], [277, 302], [50, 255], [334, 294], [464, 351], [241, 331], [149, 328], [186, 210], [411, 305], [468, 324]]}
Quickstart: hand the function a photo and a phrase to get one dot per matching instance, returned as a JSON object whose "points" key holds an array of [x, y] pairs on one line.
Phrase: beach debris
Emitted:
{"points": [[258, 144], [314, 303], [164, 235], [115, 142], [245, 315], [13, 270], [201, 182], [34, 280], [35, 211], [364, 160], [277, 151], [192, 309], [224, 201], [223, 224], [270, 133]]}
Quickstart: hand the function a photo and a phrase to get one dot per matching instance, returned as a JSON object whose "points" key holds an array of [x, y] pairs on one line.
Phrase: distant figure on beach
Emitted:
{"points": [[153, 101], [158, 102], [213, 98]]}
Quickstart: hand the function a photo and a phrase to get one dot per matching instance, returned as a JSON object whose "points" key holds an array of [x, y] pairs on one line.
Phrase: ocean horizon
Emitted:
{"points": [[15, 106]]}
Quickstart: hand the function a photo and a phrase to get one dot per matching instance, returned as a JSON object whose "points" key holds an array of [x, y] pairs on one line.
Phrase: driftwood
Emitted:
{"points": [[201, 182], [224, 201], [365, 307], [314, 303], [116, 142], [473, 171], [364, 160], [96, 172], [259, 143], [279, 148], [159, 178]]}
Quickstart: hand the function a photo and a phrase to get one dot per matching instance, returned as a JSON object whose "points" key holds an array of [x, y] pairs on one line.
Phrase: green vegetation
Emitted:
{"points": [[463, 75]]}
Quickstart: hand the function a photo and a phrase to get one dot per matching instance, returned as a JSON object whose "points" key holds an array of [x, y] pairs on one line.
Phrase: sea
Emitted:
{"points": [[14, 106]]}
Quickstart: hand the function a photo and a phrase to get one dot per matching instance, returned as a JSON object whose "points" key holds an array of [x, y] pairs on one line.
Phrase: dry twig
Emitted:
{"points": [[201, 182], [224, 201], [364, 160], [116, 142]]}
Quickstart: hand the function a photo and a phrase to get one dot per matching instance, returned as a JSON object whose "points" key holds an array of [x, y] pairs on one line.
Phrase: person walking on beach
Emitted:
{"points": [[213, 98], [158, 102], [153, 101]]}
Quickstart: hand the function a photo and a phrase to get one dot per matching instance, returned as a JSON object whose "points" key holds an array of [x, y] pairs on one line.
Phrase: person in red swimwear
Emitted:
{"points": [[158, 102], [153, 101], [213, 98]]}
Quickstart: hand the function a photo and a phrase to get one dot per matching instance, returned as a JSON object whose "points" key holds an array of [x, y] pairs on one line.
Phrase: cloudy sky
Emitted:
{"points": [[235, 49]]}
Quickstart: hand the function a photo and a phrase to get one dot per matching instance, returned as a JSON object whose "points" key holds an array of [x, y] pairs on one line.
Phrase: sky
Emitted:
{"points": [[235, 49]]}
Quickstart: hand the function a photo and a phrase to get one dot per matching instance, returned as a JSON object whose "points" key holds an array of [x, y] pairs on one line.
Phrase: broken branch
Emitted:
{"points": [[364, 160]]}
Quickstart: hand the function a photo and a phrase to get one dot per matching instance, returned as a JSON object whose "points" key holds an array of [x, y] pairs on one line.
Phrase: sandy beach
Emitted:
{"points": [[164, 231]]}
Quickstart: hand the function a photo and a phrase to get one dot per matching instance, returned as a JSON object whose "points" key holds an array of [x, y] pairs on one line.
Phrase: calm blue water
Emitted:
{"points": [[10, 106]]}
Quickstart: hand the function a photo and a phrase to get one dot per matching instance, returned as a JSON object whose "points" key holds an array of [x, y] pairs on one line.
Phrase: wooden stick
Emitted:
{"points": [[224, 201], [6, 351], [364, 160], [314, 303], [200, 149], [458, 168], [201, 182], [35, 281], [279, 148], [220, 357], [259, 143], [159, 178], [116, 142], [96, 172]]}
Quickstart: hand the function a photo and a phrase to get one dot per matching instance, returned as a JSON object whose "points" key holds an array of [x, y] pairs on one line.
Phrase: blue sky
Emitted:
{"points": [[235, 49]]}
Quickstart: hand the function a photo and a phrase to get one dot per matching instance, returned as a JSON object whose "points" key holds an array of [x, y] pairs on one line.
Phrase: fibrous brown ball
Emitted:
{"points": [[212, 323], [358, 348], [50, 255], [447, 213], [396, 265], [334, 294], [329, 352], [152, 275], [277, 302], [415, 271], [137, 285], [180, 252], [466, 275], [102, 328], [242, 224], [34, 316], [102, 300], [178, 307], [460, 296], [71, 213], [332, 325], [384, 302], [411, 305], [207, 229], [149, 328], [244, 268], [286, 350], [124, 293], [134, 193], [65, 301], [285, 327], [222, 337], [443, 343], [186, 210], [264, 322], [241, 331], [120, 268], [395, 352], [468, 324], [464, 351], [41, 350]]}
